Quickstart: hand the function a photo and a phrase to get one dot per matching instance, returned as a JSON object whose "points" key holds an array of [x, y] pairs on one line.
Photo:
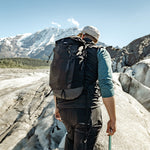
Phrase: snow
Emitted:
{"points": [[19, 43], [2, 38], [22, 81], [146, 61], [46, 36], [52, 40], [140, 71], [10, 37], [8, 42]]}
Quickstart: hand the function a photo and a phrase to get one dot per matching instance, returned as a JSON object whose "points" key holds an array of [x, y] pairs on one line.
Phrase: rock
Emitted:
{"points": [[129, 55], [140, 71], [117, 56], [27, 120], [137, 49], [136, 89]]}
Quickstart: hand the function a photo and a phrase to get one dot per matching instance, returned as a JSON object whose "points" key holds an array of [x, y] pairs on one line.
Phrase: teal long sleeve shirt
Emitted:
{"points": [[105, 73]]}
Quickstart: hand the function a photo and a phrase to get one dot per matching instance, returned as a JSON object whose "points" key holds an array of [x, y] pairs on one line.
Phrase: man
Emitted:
{"points": [[82, 116]]}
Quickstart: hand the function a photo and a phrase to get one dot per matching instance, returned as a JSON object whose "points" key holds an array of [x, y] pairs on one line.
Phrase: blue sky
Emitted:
{"points": [[119, 21]]}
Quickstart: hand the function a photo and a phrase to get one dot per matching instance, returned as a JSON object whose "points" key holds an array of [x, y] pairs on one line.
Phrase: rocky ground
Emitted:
{"points": [[26, 116], [27, 112]]}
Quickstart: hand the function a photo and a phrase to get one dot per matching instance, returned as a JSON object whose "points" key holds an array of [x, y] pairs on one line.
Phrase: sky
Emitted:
{"points": [[119, 21]]}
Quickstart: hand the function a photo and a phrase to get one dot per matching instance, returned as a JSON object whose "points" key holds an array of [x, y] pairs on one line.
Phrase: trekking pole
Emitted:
{"points": [[109, 145]]}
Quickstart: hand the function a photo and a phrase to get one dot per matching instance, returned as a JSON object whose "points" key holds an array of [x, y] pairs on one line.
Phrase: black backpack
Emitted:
{"points": [[67, 68]]}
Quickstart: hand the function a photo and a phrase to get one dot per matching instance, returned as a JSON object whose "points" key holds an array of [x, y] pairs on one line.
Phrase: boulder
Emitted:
{"points": [[136, 89], [140, 71], [118, 58], [137, 50]]}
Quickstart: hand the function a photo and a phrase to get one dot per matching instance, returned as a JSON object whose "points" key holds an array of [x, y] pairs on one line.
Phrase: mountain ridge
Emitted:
{"points": [[40, 44], [36, 45]]}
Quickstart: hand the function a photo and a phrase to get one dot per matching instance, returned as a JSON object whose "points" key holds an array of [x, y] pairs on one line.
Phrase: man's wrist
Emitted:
{"points": [[113, 119]]}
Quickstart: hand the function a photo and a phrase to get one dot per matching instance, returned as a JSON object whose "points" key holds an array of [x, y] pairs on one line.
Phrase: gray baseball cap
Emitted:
{"points": [[93, 31]]}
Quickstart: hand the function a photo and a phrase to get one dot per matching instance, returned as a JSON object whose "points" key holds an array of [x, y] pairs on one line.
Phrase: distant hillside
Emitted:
{"points": [[37, 45], [23, 63]]}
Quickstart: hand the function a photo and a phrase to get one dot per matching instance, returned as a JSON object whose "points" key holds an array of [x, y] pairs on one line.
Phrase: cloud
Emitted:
{"points": [[73, 21], [54, 23]]}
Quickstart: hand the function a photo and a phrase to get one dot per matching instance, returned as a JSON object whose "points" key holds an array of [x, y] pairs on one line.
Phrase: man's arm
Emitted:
{"points": [[110, 106], [57, 115], [106, 88]]}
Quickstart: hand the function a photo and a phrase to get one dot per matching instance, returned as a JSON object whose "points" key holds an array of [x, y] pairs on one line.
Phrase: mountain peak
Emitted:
{"points": [[35, 45]]}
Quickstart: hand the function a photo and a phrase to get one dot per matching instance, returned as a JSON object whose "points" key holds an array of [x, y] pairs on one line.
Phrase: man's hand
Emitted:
{"points": [[111, 127], [57, 114]]}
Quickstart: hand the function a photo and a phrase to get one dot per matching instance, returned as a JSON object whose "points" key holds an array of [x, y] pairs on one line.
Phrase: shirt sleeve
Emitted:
{"points": [[105, 73]]}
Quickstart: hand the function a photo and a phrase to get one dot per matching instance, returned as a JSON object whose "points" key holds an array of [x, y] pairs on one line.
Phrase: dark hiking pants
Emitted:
{"points": [[81, 136]]}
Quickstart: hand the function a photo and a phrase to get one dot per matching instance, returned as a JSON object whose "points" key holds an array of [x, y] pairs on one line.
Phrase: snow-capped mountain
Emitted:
{"points": [[36, 45]]}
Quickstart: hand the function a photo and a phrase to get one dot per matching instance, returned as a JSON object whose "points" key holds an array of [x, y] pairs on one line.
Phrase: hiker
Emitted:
{"points": [[82, 115]]}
